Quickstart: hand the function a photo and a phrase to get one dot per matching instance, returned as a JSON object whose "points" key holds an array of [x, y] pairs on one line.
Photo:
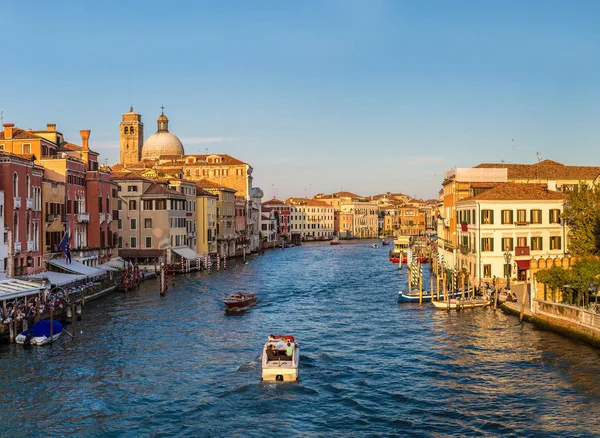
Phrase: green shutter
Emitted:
{"points": [[512, 244], [492, 217], [541, 244], [492, 244], [550, 216], [482, 244], [502, 217], [531, 243], [482, 215], [511, 217], [530, 216], [559, 242]]}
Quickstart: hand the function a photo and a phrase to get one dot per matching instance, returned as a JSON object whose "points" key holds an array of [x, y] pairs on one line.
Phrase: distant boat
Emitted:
{"points": [[39, 333], [238, 301], [413, 296], [335, 241], [384, 242], [461, 303], [375, 245]]}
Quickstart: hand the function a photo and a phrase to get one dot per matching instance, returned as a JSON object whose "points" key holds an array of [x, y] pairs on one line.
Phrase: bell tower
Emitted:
{"points": [[132, 137]]}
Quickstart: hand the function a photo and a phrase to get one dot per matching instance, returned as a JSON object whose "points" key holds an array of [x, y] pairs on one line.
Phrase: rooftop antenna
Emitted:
{"points": [[538, 155]]}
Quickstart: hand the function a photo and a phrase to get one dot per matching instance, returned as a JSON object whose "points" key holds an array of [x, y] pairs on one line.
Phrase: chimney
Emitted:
{"points": [[8, 130], [85, 136], [552, 186], [51, 127]]}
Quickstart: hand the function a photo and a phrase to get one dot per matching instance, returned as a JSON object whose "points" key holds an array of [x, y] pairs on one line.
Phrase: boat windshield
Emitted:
{"points": [[277, 355]]}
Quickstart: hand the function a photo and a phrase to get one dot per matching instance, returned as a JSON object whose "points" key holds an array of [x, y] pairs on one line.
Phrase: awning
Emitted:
{"points": [[522, 264], [76, 268], [105, 267], [58, 278], [11, 288], [141, 253], [186, 253]]}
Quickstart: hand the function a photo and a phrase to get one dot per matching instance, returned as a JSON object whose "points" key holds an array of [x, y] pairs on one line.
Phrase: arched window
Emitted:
{"points": [[187, 172], [131, 130], [28, 185], [15, 185], [126, 130]]}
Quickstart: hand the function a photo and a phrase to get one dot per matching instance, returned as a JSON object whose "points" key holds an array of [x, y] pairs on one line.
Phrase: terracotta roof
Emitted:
{"points": [[161, 189], [28, 157], [201, 192], [273, 201], [70, 146], [547, 169], [206, 184], [518, 192], [127, 175], [168, 169], [19, 133], [306, 201], [228, 159]]}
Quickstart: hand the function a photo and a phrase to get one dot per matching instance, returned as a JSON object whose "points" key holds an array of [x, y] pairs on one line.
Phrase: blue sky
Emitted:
{"points": [[368, 96]]}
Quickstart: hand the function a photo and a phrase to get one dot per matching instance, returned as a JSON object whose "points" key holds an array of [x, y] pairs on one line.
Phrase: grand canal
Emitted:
{"points": [[178, 366]]}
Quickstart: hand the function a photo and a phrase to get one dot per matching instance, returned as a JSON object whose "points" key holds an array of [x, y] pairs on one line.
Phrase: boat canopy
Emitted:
{"points": [[76, 268], [186, 253], [42, 328], [58, 278], [12, 288]]}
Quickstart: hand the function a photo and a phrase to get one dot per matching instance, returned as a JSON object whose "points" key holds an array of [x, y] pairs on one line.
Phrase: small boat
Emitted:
{"points": [[375, 245], [384, 242], [239, 301], [413, 296], [280, 359], [39, 333], [461, 303], [335, 241]]}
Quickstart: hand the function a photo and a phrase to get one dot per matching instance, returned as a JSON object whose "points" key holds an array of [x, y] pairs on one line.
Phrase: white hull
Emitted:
{"points": [[39, 340], [277, 366], [460, 303]]}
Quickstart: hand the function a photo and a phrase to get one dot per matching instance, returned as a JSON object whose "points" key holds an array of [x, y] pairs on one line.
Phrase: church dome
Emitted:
{"points": [[162, 142]]}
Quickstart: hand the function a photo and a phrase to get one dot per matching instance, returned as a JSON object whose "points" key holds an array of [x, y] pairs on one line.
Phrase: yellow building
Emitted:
{"points": [[206, 221], [225, 216]]}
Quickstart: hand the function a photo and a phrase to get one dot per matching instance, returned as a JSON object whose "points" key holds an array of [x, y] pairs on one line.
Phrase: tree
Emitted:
{"points": [[582, 215], [555, 278]]}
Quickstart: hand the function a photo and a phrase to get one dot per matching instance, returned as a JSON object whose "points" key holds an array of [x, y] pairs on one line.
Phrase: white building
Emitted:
{"points": [[254, 218], [311, 218], [3, 240], [522, 220], [268, 225], [364, 217]]}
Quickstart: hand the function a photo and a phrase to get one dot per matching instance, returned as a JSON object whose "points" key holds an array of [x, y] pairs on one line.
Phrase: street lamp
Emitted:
{"points": [[507, 259]]}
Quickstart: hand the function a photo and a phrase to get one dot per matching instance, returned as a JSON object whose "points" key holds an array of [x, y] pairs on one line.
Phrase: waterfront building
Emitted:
{"points": [[460, 183], [519, 219], [226, 236], [152, 218], [254, 216], [313, 219], [163, 154], [343, 224], [54, 216], [187, 188], [268, 226], [21, 181], [282, 215], [241, 226], [3, 240], [206, 221]]}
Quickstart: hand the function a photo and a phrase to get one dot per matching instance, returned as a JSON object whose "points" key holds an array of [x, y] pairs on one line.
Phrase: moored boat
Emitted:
{"points": [[335, 241], [42, 332], [384, 242], [461, 303], [398, 253], [280, 359], [413, 296], [239, 301]]}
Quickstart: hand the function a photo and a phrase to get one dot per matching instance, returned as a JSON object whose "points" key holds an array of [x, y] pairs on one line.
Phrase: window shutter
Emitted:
{"points": [[541, 244], [502, 217], [482, 244], [511, 217], [482, 215], [550, 216], [530, 216], [559, 243], [492, 244], [512, 244]]}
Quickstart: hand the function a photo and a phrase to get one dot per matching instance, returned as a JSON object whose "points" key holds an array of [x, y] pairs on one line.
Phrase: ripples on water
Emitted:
{"points": [[179, 366]]}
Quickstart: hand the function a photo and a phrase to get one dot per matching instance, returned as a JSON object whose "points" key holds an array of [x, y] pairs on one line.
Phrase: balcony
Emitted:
{"points": [[102, 217], [17, 247], [83, 217], [30, 245], [50, 218], [109, 218], [17, 202], [521, 251], [29, 203], [521, 223]]}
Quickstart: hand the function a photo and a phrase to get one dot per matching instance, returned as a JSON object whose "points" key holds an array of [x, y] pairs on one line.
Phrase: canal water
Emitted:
{"points": [[142, 365]]}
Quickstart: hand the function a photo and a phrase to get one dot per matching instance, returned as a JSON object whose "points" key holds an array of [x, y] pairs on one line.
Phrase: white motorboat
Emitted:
{"points": [[278, 365], [41, 333], [461, 303]]}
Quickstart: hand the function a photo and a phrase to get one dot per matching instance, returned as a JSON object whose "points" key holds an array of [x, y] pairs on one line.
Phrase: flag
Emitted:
{"points": [[64, 245]]}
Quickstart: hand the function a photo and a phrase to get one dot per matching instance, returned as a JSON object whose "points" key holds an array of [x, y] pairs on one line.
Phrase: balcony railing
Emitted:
{"points": [[50, 218], [17, 202], [30, 245], [102, 217], [109, 218], [29, 203], [521, 223], [521, 251], [17, 247], [83, 217]]}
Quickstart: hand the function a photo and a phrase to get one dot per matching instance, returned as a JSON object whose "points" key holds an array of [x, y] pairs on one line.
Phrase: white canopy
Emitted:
{"points": [[58, 278], [105, 267], [186, 253], [76, 268], [11, 288]]}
